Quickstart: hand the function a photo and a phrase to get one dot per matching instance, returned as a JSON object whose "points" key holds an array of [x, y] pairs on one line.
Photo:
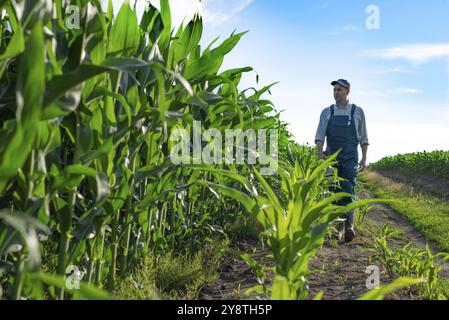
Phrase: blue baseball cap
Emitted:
{"points": [[342, 82]]}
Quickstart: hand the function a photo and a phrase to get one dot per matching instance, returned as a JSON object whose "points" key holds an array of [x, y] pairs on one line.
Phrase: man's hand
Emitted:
{"points": [[322, 155], [362, 165]]}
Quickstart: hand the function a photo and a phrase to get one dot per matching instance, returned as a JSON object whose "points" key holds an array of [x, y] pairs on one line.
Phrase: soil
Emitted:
{"points": [[235, 275], [337, 270]]}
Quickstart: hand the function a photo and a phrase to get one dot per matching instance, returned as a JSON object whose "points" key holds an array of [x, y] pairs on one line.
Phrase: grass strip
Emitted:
{"points": [[428, 214]]}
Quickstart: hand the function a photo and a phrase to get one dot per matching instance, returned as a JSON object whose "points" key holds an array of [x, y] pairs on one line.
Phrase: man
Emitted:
{"points": [[344, 126]]}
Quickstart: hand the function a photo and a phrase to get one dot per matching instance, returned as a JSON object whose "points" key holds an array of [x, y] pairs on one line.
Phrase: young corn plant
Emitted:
{"points": [[413, 262], [294, 218], [360, 216]]}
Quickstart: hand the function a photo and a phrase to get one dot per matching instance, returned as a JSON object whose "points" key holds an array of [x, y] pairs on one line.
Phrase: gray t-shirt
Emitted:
{"points": [[360, 122]]}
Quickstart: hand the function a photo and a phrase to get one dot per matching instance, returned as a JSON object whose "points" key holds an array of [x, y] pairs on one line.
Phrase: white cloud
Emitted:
{"points": [[405, 91], [217, 12], [390, 92], [351, 28], [415, 53], [394, 70]]}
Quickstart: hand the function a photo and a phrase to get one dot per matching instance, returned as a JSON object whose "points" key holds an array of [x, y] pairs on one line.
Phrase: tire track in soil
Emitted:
{"points": [[337, 270]]}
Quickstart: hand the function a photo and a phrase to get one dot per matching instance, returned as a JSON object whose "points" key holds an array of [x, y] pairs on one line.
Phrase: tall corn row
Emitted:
{"points": [[86, 115]]}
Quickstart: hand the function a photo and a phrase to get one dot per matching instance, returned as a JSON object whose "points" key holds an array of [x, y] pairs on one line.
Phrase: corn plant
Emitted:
{"points": [[435, 163], [360, 216], [411, 262], [295, 218], [382, 291]]}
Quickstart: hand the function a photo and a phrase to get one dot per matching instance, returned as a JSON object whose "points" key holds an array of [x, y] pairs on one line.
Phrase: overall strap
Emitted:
{"points": [[332, 110], [353, 111]]}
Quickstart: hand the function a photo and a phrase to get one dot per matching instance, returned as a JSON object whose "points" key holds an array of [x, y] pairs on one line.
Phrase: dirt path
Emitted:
{"points": [[235, 275], [338, 269]]}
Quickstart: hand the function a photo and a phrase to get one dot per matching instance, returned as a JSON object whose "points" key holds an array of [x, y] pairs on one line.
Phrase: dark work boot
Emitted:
{"points": [[349, 227], [349, 234]]}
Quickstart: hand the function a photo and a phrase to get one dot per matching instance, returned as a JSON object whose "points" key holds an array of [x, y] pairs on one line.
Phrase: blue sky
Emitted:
{"points": [[399, 72]]}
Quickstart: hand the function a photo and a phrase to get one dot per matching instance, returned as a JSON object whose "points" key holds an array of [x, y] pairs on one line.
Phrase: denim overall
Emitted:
{"points": [[341, 134]]}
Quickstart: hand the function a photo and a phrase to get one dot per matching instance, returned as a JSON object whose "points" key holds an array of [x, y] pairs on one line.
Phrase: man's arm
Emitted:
{"points": [[363, 141], [362, 164], [364, 151], [320, 145], [320, 135]]}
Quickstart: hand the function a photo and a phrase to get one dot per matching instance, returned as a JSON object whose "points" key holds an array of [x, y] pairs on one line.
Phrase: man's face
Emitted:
{"points": [[340, 93]]}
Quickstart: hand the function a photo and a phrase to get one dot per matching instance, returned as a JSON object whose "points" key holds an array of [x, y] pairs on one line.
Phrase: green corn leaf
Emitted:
{"points": [[166, 21], [186, 42], [102, 91], [281, 289], [31, 81], [312, 214], [319, 296], [101, 151], [210, 62], [16, 46], [154, 171], [78, 169], [85, 290], [61, 84], [72, 176], [32, 12], [26, 226], [379, 294], [232, 175], [125, 36], [269, 191], [260, 92], [359, 203], [29, 93], [239, 196]]}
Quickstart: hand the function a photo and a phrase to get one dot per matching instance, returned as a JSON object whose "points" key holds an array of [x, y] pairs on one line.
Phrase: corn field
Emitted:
{"points": [[86, 179], [435, 163]]}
